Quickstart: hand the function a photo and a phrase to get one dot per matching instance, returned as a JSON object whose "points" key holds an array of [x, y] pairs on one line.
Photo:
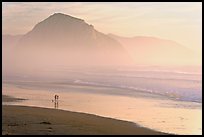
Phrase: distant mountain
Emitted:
{"points": [[156, 51], [65, 40]]}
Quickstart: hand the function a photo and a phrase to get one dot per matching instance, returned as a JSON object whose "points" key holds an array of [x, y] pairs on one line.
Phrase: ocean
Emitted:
{"points": [[164, 99]]}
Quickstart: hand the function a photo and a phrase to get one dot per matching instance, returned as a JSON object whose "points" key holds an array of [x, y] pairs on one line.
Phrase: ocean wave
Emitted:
{"points": [[181, 78], [160, 71], [173, 94]]}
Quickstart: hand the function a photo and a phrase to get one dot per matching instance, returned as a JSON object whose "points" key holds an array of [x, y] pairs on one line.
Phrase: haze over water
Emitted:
{"points": [[148, 79]]}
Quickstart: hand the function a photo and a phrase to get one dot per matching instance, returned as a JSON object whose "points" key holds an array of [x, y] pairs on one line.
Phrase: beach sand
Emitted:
{"points": [[24, 120]]}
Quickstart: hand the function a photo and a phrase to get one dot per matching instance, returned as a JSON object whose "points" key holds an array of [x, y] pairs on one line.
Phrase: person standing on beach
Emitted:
{"points": [[56, 101]]}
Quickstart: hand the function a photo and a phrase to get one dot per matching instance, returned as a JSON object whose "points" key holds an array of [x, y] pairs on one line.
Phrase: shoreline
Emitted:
{"points": [[162, 115], [46, 121], [7, 98]]}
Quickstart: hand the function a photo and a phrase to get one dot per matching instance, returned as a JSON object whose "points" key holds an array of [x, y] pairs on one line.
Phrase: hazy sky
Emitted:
{"points": [[181, 22]]}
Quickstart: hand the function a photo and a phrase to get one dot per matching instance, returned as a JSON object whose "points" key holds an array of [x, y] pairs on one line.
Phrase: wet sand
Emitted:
{"points": [[6, 98], [24, 120], [152, 112]]}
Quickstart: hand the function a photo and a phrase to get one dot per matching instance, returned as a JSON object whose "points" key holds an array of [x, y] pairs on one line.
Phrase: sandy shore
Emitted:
{"points": [[35, 121]]}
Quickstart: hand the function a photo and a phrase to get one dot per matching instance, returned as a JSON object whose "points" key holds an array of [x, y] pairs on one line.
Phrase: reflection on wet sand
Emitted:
{"points": [[152, 112]]}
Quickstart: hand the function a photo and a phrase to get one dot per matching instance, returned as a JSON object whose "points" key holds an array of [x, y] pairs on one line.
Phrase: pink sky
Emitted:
{"points": [[180, 22]]}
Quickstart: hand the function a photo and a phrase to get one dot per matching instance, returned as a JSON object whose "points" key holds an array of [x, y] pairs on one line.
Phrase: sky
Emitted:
{"points": [[177, 21]]}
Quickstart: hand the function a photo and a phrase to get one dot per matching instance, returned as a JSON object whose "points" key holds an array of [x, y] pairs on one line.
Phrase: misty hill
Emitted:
{"points": [[156, 51], [8, 50], [65, 40], [10, 40]]}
